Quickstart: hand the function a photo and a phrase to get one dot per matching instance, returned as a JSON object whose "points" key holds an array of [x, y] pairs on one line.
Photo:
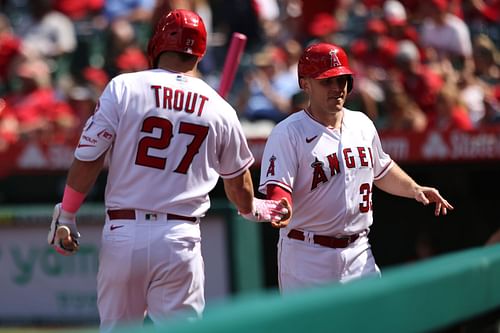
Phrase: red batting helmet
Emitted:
{"points": [[180, 30], [323, 60]]}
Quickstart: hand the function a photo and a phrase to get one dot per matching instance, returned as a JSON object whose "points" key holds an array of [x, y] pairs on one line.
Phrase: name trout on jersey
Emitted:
{"points": [[179, 100], [363, 159]]}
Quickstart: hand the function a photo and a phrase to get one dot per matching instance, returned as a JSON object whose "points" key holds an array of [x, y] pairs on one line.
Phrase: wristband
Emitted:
{"points": [[72, 200]]}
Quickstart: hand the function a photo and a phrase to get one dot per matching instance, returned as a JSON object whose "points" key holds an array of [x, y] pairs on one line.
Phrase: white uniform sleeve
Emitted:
{"points": [[100, 130], [279, 161], [235, 156], [382, 162]]}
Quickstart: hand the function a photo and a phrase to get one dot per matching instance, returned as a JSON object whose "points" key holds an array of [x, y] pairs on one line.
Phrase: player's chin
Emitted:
{"points": [[336, 103]]}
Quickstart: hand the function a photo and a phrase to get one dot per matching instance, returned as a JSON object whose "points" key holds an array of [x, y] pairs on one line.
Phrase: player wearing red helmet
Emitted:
{"points": [[180, 30], [324, 60], [325, 160], [168, 137]]}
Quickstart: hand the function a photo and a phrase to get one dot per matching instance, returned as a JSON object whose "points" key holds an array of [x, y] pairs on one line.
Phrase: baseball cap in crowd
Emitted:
{"points": [[407, 51], [96, 76], [394, 12], [376, 27], [132, 59], [322, 24], [440, 4]]}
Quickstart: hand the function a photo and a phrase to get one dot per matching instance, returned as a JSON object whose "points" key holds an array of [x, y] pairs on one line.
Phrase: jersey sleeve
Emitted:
{"points": [[100, 130], [382, 162], [235, 156], [279, 161]]}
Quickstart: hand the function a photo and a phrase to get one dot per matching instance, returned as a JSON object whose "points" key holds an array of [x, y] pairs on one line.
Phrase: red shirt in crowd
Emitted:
{"points": [[424, 87], [457, 118], [78, 9], [10, 46]]}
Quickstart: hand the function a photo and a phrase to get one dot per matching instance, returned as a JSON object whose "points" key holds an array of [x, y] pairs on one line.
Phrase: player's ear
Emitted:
{"points": [[304, 83]]}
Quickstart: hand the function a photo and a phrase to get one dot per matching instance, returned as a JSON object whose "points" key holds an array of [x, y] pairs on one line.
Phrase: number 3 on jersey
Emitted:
{"points": [[165, 126], [366, 198]]}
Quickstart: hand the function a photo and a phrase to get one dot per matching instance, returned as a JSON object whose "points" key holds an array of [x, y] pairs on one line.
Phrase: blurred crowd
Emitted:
{"points": [[418, 65]]}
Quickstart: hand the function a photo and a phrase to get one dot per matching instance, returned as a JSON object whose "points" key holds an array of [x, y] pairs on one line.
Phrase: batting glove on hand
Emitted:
{"points": [[266, 211], [63, 235]]}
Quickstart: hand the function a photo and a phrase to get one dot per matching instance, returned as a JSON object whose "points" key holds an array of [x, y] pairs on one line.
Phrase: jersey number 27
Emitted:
{"points": [[198, 132]]}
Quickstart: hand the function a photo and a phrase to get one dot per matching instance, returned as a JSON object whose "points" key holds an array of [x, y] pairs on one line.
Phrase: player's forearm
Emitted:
{"points": [[81, 177], [239, 191], [398, 182]]}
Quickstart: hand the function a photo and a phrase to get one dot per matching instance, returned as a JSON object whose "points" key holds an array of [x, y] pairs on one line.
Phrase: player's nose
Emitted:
{"points": [[336, 89], [338, 83]]}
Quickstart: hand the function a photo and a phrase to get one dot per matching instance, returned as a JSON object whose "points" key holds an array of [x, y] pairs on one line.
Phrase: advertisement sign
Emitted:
{"points": [[452, 146], [443, 146], [431, 146], [38, 284]]}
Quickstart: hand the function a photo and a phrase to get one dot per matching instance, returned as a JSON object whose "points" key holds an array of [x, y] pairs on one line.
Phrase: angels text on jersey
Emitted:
{"points": [[321, 172]]}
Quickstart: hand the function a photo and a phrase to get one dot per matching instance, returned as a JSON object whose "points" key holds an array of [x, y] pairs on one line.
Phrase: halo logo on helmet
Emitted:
{"points": [[180, 30], [334, 60], [324, 60]]}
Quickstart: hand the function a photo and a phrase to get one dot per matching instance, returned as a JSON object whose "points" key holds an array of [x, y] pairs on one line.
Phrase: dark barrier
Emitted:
{"points": [[420, 297]]}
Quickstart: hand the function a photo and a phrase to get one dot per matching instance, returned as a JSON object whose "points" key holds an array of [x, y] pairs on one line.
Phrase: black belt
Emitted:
{"points": [[129, 214], [328, 241]]}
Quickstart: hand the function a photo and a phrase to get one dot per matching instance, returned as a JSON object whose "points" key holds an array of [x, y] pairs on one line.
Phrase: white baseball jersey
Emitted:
{"points": [[171, 136], [329, 172]]}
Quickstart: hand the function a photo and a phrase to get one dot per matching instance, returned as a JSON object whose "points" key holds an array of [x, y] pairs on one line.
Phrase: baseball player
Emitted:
{"points": [[168, 137], [325, 160]]}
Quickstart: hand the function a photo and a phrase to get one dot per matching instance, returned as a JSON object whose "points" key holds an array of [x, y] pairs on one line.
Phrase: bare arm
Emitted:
{"points": [[239, 190], [398, 182], [82, 175]]}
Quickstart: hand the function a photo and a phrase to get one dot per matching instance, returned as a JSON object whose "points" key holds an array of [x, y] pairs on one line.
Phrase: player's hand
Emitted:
{"points": [[63, 235], [267, 211], [284, 218], [427, 195]]}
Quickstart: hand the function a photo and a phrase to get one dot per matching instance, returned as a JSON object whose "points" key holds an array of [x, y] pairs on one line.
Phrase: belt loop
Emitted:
{"points": [[309, 237]]}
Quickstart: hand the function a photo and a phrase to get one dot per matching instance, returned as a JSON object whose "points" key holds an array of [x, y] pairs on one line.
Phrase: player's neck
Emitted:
{"points": [[331, 120], [174, 64]]}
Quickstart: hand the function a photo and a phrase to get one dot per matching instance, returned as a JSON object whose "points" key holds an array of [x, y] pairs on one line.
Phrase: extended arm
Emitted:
{"points": [[239, 191], [397, 182]]}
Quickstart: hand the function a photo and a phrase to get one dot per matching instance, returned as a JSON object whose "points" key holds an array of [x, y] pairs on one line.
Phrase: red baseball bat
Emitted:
{"points": [[233, 57]]}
